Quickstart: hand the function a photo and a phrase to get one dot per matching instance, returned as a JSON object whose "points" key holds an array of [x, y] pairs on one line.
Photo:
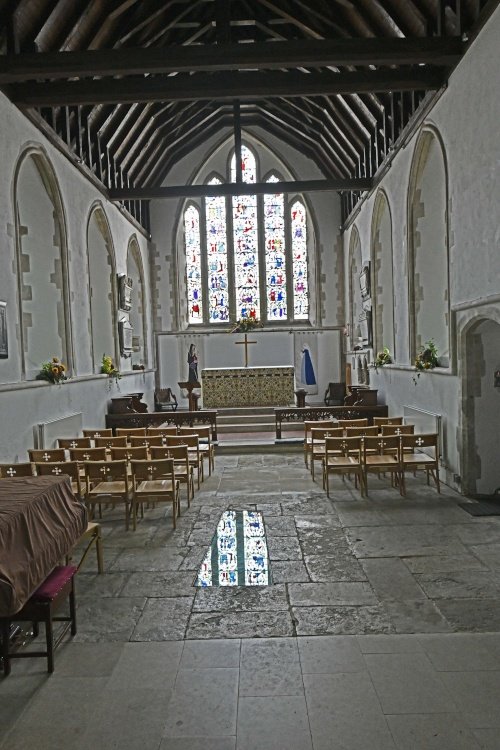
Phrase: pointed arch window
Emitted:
{"points": [[192, 239], [246, 255]]}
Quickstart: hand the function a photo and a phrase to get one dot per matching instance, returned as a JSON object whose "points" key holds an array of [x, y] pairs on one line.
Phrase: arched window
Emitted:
{"points": [[246, 256]]}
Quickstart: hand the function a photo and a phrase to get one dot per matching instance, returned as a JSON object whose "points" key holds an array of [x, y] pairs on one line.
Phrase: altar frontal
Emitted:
{"points": [[247, 386]]}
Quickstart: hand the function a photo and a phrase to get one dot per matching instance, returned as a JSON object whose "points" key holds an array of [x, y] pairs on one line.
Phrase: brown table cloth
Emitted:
{"points": [[40, 521]]}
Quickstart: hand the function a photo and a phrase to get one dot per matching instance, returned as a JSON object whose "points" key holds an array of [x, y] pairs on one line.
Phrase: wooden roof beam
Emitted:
{"points": [[233, 188], [221, 86], [205, 58]]}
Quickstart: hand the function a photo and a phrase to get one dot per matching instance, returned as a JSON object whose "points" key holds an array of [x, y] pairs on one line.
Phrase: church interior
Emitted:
{"points": [[200, 376]]}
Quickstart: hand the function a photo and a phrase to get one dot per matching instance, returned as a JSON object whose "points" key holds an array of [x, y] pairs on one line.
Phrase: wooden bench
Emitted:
{"points": [[42, 607]]}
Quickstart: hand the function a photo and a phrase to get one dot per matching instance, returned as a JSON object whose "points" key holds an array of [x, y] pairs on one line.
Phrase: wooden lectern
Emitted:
{"points": [[193, 397]]}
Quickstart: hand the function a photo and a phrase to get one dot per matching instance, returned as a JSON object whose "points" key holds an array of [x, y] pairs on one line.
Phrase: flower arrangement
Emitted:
{"points": [[427, 358], [53, 371], [243, 325], [109, 369], [383, 358]]}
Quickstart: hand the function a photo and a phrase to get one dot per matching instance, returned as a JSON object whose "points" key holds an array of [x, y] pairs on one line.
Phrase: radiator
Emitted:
{"points": [[424, 421], [46, 433]]}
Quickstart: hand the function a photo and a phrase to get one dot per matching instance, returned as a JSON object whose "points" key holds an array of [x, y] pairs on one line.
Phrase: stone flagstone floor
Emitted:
{"points": [[381, 628]]}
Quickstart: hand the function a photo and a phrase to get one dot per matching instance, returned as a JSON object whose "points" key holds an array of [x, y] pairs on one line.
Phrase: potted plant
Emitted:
{"points": [[427, 359], [108, 368], [383, 358], [53, 371]]}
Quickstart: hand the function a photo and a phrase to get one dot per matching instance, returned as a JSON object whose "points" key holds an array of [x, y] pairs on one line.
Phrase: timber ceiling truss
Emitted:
{"points": [[129, 87]]}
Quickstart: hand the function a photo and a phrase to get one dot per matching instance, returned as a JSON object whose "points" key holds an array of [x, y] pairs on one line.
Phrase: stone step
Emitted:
{"points": [[245, 411], [257, 427], [245, 419]]}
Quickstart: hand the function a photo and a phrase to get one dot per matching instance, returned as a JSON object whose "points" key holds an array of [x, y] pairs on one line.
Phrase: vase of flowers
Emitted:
{"points": [[383, 358], [427, 359], [109, 369], [53, 371], [244, 325]]}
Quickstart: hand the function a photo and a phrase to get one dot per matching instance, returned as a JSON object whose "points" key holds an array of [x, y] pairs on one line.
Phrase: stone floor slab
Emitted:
{"points": [[240, 625], [330, 594], [270, 667], [407, 684], [432, 732], [273, 722], [211, 654], [391, 579], [241, 599], [203, 704], [341, 620]]}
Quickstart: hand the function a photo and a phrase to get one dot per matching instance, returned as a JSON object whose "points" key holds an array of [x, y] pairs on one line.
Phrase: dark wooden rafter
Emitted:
{"points": [[233, 188], [222, 86], [232, 57]]}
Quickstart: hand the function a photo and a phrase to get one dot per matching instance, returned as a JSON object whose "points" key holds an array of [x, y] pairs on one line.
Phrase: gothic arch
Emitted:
{"points": [[478, 337], [355, 301], [428, 262], [43, 278], [102, 286], [135, 269], [382, 274]]}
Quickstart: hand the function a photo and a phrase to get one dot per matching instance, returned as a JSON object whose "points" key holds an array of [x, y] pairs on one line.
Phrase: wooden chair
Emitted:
{"points": [[67, 443], [161, 431], [165, 399], [382, 454], [58, 468], [107, 482], [353, 423], [421, 452], [207, 448], [318, 437], [184, 471], [111, 442], [342, 456], [136, 453], [50, 455], [360, 431], [8, 471], [398, 429], [155, 481], [128, 431], [87, 454], [379, 421], [193, 444], [310, 424], [335, 394], [42, 606], [93, 434], [91, 536]]}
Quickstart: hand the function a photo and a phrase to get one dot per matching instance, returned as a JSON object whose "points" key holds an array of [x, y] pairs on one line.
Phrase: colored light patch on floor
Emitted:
{"points": [[237, 555]]}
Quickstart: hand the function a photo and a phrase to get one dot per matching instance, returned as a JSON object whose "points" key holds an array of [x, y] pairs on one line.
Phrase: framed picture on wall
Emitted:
{"points": [[4, 344]]}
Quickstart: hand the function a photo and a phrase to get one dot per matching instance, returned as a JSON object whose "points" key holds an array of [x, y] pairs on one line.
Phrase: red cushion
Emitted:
{"points": [[53, 584]]}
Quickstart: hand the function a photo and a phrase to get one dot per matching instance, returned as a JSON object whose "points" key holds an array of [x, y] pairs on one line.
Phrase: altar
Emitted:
{"points": [[247, 386]]}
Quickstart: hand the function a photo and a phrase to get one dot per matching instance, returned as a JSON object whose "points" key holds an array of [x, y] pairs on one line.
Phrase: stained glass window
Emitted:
{"points": [[246, 256], [299, 255], [246, 241], [217, 287], [274, 234], [237, 555], [193, 264]]}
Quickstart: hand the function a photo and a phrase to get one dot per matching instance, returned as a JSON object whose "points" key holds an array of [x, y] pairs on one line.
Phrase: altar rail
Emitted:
{"points": [[327, 412], [156, 418]]}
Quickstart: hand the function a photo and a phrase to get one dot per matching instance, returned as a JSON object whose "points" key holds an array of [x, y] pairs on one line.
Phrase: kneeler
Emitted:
{"points": [[41, 607]]}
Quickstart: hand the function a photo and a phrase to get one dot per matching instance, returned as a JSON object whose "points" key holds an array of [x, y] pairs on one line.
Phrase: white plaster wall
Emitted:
{"points": [[383, 291], [466, 117], [23, 404]]}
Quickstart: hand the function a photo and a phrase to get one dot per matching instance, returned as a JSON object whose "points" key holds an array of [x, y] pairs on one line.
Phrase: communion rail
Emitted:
{"points": [[293, 415], [157, 418]]}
